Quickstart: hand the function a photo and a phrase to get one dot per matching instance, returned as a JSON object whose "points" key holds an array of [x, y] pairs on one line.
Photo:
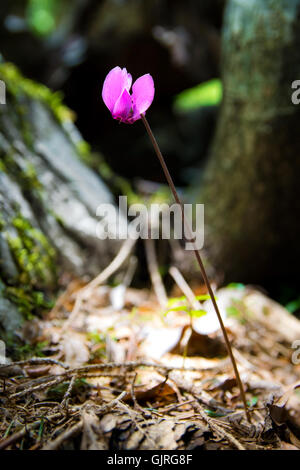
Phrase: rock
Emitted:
{"points": [[48, 200], [10, 317]]}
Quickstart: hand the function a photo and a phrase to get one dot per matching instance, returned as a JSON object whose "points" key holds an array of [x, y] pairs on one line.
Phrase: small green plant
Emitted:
{"points": [[252, 402], [180, 304], [237, 310], [56, 393], [95, 337], [236, 285], [32, 350], [214, 414]]}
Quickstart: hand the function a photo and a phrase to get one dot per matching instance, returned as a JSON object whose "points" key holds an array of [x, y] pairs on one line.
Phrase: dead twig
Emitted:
{"points": [[131, 365], [34, 361], [86, 291], [184, 287], [42, 386], [4, 443], [216, 428], [67, 395], [155, 276], [135, 416], [116, 263], [201, 395], [65, 435]]}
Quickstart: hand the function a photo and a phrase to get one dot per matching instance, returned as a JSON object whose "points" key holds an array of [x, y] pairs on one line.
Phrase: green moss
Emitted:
{"points": [[17, 350], [2, 222], [84, 150], [18, 85], [28, 350], [32, 253], [35, 260], [28, 301], [26, 176], [30, 178]]}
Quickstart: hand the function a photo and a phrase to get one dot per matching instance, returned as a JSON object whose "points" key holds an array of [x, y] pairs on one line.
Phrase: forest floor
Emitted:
{"points": [[117, 371]]}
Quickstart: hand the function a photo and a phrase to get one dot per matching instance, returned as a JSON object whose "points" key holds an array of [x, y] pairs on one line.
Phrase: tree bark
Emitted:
{"points": [[251, 185]]}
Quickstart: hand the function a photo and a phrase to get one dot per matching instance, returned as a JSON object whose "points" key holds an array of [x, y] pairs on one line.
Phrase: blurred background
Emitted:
{"points": [[222, 111], [71, 45]]}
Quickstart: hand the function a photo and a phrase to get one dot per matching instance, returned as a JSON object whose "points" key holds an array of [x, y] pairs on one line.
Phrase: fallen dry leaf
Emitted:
{"points": [[92, 436], [75, 349]]}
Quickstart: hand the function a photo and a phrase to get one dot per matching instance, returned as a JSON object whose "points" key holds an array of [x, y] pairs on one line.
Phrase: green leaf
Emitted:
{"points": [[197, 313], [41, 16], [293, 306], [204, 297], [41, 429], [236, 285], [95, 337], [175, 300], [182, 308], [253, 401], [206, 94], [214, 414], [232, 312]]}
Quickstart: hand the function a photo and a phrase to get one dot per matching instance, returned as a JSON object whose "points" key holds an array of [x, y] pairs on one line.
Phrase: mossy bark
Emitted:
{"points": [[251, 185], [48, 201]]}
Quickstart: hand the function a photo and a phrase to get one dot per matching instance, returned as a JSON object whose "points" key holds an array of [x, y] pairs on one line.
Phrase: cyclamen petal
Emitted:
{"points": [[129, 81], [123, 107], [142, 94], [113, 86]]}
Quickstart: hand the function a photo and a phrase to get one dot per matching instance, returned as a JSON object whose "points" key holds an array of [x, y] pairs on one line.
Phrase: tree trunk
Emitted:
{"points": [[48, 200], [251, 185]]}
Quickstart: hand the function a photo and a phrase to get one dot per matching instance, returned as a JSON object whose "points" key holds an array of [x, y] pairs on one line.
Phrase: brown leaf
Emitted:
{"points": [[161, 436], [37, 371], [283, 415], [92, 436], [208, 346], [161, 393], [224, 384], [278, 409]]}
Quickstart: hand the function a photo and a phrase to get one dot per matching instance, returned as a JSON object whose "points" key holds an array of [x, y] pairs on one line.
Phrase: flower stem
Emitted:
{"points": [[200, 262]]}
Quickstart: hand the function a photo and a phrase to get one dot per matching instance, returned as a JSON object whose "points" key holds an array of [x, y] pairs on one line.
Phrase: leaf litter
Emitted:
{"points": [[130, 374]]}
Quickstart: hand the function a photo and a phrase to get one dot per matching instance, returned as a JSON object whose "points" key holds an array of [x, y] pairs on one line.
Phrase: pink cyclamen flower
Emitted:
{"points": [[116, 95]]}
